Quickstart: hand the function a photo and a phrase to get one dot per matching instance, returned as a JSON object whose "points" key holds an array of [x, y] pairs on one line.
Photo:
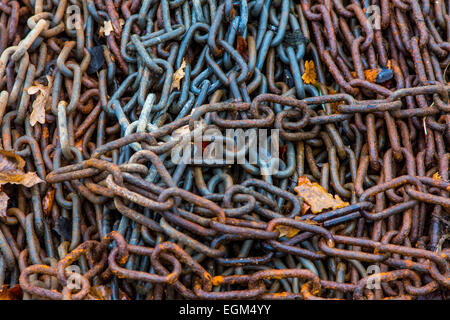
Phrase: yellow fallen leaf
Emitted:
{"points": [[334, 105], [178, 76], [389, 64], [437, 176], [370, 74], [289, 232], [310, 75], [41, 101], [11, 170], [317, 197], [286, 231]]}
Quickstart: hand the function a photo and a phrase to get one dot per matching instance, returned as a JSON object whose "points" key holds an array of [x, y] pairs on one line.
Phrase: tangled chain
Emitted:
{"points": [[97, 94]]}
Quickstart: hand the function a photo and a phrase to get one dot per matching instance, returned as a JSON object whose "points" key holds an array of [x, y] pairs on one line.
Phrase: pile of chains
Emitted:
{"points": [[97, 94]]}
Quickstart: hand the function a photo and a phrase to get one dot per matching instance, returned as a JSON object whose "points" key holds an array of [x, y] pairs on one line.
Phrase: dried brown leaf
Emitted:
{"points": [[317, 197], [15, 293], [312, 222], [286, 231], [178, 76], [10, 161], [103, 293], [3, 203], [11, 170], [34, 89], [42, 100], [305, 208], [289, 232]]}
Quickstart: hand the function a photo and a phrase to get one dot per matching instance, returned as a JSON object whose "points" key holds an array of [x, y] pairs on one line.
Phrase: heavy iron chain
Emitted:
{"points": [[127, 80]]}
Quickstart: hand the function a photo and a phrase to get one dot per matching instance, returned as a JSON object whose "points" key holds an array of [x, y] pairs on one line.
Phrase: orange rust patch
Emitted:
{"points": [[217, 280]]}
